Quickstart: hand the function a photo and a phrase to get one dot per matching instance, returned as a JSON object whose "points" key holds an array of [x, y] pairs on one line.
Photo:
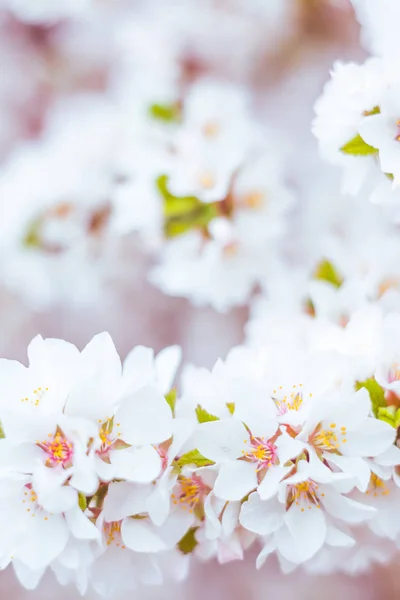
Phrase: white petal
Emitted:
{"points": [[307, 526], [269, 485], [80, 526], [230, 519], [344, 508], [235, 480], [167, 363], [43, 541], [357, 467], [212, 523], [84, 477], [337, 538], [391, 457], [286, 546], [125, 499], [159, 501], [261, 517], [374, 438], [98, 383], [141, 465], [288, 447], [175, 527], [51, 493], [29, 578], [222, 440], [138, 369], [140, 536], [268, 548], [145, 418]]}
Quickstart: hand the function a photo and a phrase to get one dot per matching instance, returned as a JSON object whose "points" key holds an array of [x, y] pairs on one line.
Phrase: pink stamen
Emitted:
{"points": [[58, 449]]}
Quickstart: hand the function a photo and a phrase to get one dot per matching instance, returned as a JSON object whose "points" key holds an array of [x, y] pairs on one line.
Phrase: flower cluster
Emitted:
{"points": [[158, 144], [357, 117], [104, 464]]}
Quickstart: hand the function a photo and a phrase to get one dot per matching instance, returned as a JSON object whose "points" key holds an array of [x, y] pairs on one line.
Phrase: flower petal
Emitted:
{"points": [[222, 440], [167, 363], [261, 517], [140, 536], [125, 499], [307, 525], [235, 480], [43, 541], [344, 508], [145, 418], [141, 465]]}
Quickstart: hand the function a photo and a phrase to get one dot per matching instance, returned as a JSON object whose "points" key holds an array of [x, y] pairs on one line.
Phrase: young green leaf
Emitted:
{"points": [[181, 214], [171, 399], [188, 543], [193, 457], [169, 113], [231, 407], [376, 394], [82, 501], [358, 147], [374, 111], [325, 271], [203, 416]]}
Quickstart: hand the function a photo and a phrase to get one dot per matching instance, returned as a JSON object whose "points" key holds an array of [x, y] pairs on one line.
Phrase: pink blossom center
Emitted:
{"points": [[190, 492], [262, 452], [58, 449], [394, 373], [303, 494]]}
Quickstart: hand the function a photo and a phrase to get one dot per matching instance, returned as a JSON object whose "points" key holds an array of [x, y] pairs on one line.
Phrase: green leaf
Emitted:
{"points": [[2, 434], [387, 414], [171, 399], [376, 394], [100, 495], [203, 416], [309, 307], [374, 111], [175, 206], [82, 501], [169, 113], [325, 271], [183, 213], [188, 543], [358, 147], [32, 237], [231, 407], [193, 457]]}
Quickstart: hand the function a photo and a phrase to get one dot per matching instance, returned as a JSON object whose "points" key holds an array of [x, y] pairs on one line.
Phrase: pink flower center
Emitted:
{"points": [[329, 439], [303, 494], [112, 532], [394, 373], [164, 457], [108, 436], [377, 487], [262, 452], [189, 492], [58, 449], [292, 400]]}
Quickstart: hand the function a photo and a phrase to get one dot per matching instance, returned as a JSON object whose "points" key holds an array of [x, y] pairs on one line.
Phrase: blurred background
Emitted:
{"points": [[56, 54]]}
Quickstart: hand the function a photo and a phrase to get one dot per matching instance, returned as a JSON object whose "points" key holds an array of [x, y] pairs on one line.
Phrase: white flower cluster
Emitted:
{"points": [[185, 166], [112, 474], [110, 479], [357, 118]]}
